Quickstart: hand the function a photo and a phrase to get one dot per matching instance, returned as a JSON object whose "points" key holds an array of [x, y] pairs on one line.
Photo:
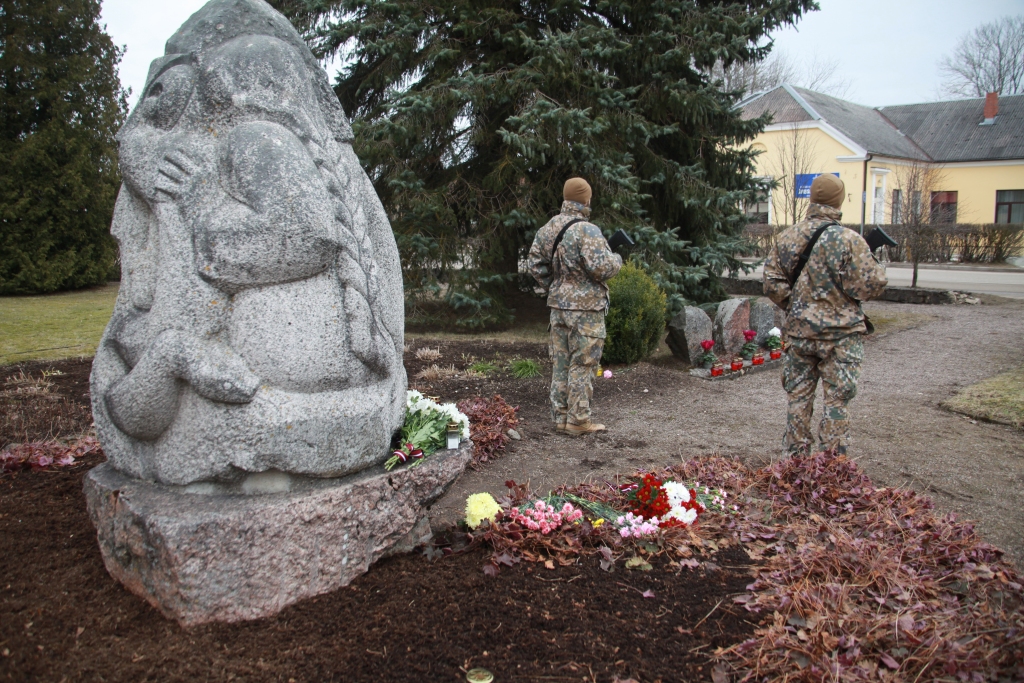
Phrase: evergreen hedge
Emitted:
{"points": [[61, 104], [636, 316]]}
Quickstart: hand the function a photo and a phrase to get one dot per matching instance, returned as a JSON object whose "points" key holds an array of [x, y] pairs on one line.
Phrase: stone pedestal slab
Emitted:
{"points": [[201, 554]]}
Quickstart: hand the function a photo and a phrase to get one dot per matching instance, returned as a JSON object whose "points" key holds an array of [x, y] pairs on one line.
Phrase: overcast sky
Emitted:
{"points": [[888, 50]]}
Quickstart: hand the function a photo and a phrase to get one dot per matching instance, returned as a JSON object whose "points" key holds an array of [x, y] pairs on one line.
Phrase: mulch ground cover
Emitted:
{"points": [[409, 619], [819, 576]]}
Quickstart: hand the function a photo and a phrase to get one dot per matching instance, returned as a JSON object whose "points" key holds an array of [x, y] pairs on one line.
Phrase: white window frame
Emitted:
{"points": [[875, 173]]}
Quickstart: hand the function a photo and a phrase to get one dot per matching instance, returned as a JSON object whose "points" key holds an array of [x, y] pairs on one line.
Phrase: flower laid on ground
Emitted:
{"points": [[425, 428], [635, 526], [594, 518], [715, 500], [481, 506], [664, 503], [42, 454], [607, 374], [684, 507], [543, 517], [774, 340]]}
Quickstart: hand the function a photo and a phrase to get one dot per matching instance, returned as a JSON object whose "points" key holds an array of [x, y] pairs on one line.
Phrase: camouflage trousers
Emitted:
{"points": [[837, 364], [577, 340]]}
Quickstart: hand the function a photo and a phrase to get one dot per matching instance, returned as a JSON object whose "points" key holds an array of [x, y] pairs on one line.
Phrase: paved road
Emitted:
{"points": [[1003, 281]]}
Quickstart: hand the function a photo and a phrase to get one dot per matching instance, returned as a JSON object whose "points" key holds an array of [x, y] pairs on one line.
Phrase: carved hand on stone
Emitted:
{"points": [[147, 145], [176, 174]]}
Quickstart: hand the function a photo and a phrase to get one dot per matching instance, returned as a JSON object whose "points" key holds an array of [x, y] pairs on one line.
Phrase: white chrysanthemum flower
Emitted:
{"points": [[677, 493], [455, 415], [775, 332]]}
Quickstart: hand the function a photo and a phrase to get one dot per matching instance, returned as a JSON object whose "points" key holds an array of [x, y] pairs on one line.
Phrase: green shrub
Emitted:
{"points": [[636, 317]]}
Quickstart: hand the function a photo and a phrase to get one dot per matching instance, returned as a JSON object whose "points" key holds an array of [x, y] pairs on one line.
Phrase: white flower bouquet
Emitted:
{"points": [[425, 429]]}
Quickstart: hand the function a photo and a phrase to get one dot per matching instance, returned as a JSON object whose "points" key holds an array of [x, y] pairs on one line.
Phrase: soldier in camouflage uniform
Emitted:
{"points": [[574, 275], [824, 321]]}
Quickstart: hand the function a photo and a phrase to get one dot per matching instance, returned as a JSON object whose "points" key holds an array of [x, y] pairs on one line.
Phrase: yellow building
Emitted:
{"points": [[959, 161]]}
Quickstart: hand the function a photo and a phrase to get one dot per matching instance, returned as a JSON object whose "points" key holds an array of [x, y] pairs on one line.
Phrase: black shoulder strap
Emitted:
{"points": [[806, 254], [558, 240]]}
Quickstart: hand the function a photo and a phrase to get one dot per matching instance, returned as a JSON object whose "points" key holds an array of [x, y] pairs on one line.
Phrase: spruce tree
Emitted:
{"points": [[61, 104], [470, 114]]}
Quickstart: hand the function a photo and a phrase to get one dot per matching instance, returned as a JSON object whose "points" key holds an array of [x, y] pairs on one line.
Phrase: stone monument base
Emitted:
{"points": [[201, 554]]}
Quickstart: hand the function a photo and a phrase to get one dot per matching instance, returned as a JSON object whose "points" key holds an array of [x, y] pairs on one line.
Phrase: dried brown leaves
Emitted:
{"points": [[872, 584], [40, 455], [489, 422]]}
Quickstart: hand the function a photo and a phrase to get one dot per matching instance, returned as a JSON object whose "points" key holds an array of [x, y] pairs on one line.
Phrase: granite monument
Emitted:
{"points": [[250, 380]]}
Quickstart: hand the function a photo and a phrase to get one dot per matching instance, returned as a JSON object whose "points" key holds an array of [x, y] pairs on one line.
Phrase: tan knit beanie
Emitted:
{"points": [[577, 190], [828, 190]]}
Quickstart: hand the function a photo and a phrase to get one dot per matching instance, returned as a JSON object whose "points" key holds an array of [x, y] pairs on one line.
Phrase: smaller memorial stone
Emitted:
{"points": [[732, 319], [686, 331], [780, 318], [764, 316]]}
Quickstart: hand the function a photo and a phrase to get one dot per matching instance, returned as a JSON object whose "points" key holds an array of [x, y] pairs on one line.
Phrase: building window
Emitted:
{"points": [[897, 198], [1009, 206], [758, 212], [943, 207]]}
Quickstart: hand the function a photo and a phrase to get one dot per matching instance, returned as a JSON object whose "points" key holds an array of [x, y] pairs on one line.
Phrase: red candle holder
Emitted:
{"points": [[775, 354], [758, 359], [717, 370], [737, 364]]}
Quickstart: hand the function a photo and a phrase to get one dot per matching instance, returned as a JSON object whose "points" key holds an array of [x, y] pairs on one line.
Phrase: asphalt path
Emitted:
{"points": [[1005, 281]]}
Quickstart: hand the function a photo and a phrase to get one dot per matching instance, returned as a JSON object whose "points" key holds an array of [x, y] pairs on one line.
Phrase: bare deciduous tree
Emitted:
{"points": [[911, 207], [795, 156], [820, 75], [988, 59]]}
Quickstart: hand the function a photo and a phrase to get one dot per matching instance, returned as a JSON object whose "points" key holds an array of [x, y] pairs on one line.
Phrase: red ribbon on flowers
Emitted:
{"points": [[409, 452]]}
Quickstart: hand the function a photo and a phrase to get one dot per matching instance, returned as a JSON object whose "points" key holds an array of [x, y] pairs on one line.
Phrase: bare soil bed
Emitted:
{"points": [[409, 618], [658, 414], [62, 618]]}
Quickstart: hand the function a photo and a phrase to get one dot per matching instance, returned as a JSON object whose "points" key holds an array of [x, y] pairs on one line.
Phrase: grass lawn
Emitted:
{"points": [[54, 325], [996, 399]]}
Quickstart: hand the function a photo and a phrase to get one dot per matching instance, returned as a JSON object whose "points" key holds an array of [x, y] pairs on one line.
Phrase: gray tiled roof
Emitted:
{"points": [[941, 131], [863, 125], [779, 103], [949, 131]]}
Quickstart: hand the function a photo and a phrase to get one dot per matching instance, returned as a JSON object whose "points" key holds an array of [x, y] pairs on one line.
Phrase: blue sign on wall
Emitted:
{"points": [[803, 184]]}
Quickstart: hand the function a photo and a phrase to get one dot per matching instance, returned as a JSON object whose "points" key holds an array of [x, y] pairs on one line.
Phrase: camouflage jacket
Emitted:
{"points": [[824, 303], [574, 277]]}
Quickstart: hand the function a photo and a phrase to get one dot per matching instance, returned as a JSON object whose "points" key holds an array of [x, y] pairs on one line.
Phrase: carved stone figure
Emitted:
{"points": [[259, 324]]}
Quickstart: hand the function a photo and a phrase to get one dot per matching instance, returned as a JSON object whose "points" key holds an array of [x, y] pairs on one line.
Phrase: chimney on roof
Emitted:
{"points": [[991, 107]]}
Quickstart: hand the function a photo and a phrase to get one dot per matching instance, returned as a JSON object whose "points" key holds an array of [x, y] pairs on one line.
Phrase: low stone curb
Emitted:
{"points": [[921, 295], [902, 295], [748, 369]]}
